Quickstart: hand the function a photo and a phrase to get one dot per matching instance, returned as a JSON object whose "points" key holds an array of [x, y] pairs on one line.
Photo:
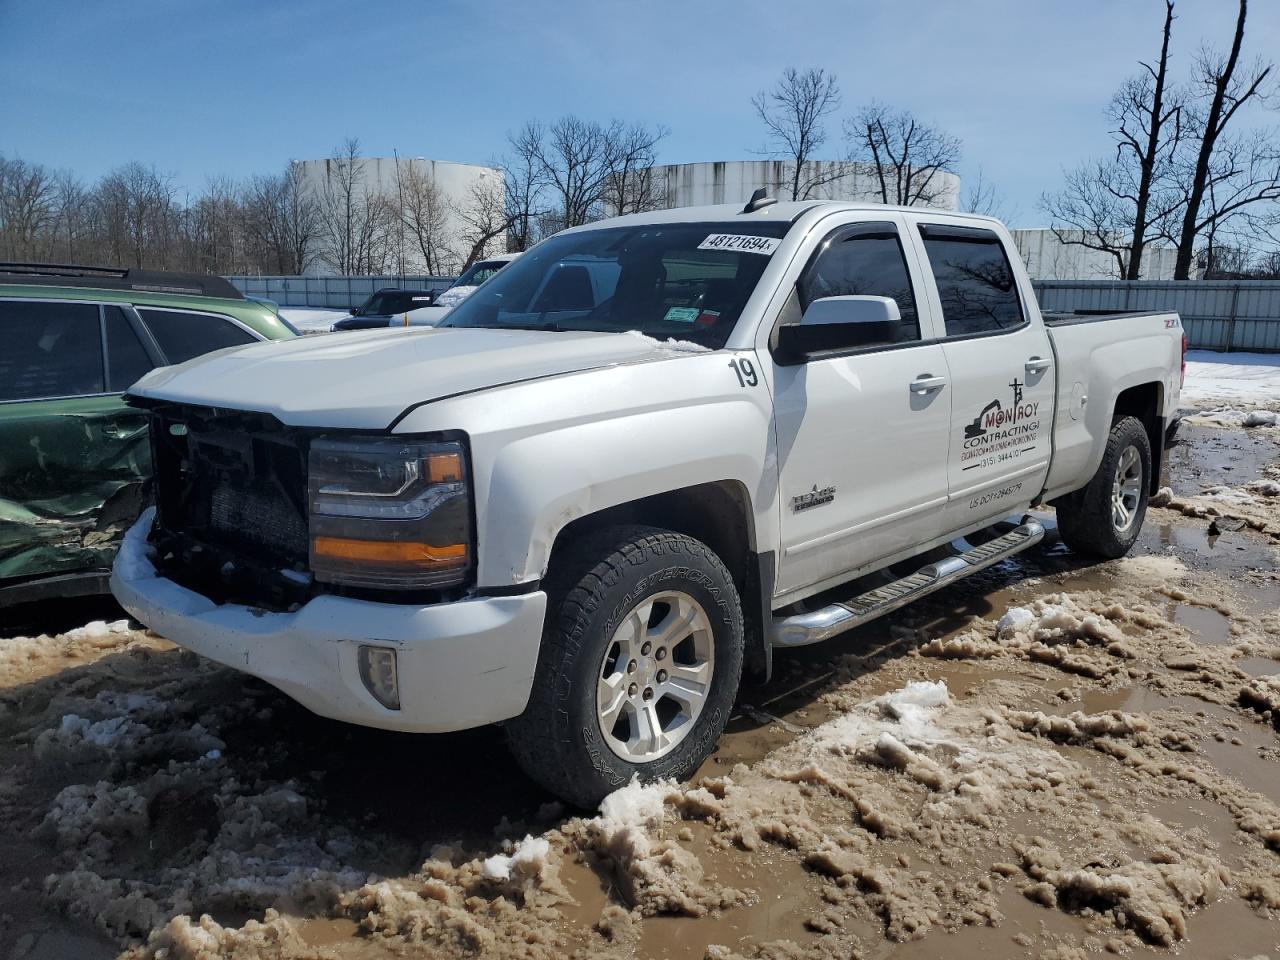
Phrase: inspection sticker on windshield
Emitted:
{"points": [[736, 241]]}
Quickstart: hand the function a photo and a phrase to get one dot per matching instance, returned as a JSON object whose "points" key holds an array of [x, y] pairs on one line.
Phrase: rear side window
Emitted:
{"points": [[50, 350], [975, 281], [127, 359], [865, 260], [185, 335]]}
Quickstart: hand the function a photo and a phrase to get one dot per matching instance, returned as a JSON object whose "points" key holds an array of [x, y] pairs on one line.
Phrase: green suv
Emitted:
{"points": [[74, 460]]}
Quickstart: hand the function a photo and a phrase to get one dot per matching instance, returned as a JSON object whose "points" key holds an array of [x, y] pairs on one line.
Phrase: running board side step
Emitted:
{"points": [[815, 626]]}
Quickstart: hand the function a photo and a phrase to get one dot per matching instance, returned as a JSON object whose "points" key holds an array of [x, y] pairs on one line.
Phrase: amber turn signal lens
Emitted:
{"points": [[383, 551], [444, 467]]}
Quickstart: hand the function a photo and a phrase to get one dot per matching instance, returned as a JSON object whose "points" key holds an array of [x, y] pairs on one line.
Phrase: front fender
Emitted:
{"points": [[547, 452]]}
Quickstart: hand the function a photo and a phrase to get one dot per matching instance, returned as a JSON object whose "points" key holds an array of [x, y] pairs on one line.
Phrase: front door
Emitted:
{"points": [[862, 435], [1002, 383]]}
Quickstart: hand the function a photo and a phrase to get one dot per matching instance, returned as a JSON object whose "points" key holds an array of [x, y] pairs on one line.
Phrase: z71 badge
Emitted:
{"points": [[814, 498]]}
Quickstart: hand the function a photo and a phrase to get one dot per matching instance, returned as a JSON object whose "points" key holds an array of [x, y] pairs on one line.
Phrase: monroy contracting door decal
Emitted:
{"points": [[1001, 433]]}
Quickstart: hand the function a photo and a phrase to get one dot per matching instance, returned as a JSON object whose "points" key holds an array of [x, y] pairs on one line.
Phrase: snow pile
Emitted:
{"points": [[99, 630], [1254, 503], [527, 857], [1155, 899], [23, 659], [654, 874], [1234, 417], [903, 716], [1248, 379], [1228, 495], [670, 344], [313, 319]]}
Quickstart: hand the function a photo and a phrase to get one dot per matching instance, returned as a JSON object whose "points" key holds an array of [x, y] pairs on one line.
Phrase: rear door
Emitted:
{"points": [[1001, 373], [862, 434], [73, 457]]}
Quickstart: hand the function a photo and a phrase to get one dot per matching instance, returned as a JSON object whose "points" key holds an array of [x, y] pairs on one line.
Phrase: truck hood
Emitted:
{"points": [[366, 380]]}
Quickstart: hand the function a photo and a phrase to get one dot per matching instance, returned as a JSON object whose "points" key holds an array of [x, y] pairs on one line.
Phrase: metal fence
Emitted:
{"points": [[1216, 314], [338, 293]]}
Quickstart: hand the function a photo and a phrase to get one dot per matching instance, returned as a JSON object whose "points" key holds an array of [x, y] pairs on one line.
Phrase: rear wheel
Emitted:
{"points": [[639, 667], [1104, 518]]}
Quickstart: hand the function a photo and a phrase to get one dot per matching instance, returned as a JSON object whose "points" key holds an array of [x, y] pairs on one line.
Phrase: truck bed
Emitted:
{"points": [[1060, 319]]}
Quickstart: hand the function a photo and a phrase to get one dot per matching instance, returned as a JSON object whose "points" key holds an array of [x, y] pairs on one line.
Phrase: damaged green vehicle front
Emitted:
{"points": [[75, 461]]}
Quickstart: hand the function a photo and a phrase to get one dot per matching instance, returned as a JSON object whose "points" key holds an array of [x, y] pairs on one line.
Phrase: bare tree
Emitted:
{"points": [[424, 213], [1122, 205], [1225, 87], [576, 158], [27, 207], [1089, 212], [1241, 192], [630, 186], [355, 218], [794, 112], [982, 197], [525, 183], [1148, 115], [72, 230], [281, 220], [135, 206], [484, 218], [906, 154]]}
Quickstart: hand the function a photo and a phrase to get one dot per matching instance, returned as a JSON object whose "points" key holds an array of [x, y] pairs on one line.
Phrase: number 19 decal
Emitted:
{"points": [[746, 372]]}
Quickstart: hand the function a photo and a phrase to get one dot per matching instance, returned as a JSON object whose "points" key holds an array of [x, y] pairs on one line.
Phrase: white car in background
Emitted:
{"points": [[463, 287]]}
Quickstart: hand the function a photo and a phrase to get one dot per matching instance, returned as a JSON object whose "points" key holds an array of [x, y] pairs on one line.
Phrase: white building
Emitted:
{"points": [[457, 185], [733, 181], [1048, 258]]}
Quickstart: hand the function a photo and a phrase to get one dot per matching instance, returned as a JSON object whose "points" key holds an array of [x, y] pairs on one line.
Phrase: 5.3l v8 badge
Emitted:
{"points": [[814, 498]]}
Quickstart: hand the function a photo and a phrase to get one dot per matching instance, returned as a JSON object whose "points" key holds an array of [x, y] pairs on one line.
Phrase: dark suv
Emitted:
{"points": [[384, 306]]}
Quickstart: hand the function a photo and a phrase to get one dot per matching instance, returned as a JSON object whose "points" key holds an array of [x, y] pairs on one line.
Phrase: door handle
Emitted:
{"points": [[1038, 365], [925, 384]]}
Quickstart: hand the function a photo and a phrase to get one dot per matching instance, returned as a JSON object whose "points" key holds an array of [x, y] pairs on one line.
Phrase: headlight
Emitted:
{"points": [[389, 513]]}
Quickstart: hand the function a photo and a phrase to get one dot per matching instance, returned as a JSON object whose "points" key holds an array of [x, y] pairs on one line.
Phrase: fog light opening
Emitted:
{"points": [[378, 673]]}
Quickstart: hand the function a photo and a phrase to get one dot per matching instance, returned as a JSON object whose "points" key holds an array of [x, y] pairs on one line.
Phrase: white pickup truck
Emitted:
{"points": [[648, 454]]}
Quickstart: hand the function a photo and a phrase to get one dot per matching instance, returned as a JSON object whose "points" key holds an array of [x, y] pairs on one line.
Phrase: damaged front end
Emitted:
{"points": [[231, 510]]}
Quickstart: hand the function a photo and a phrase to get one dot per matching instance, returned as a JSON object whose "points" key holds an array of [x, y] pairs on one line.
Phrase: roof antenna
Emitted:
{"points": [[759, 200]]}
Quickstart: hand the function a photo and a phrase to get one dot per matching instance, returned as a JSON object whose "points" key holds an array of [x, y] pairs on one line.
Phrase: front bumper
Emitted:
{"points": [[460, 665]]}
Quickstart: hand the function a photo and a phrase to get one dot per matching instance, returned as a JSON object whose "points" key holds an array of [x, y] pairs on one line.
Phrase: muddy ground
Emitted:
{"points": [[1056, 759]]}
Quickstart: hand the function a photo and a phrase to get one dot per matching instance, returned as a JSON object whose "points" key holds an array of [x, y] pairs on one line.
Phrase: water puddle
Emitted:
{"points": [[1259, 666], [1204, 625]]}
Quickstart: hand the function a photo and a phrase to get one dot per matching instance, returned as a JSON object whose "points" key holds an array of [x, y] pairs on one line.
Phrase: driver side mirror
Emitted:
{"points": [[838, 323]]}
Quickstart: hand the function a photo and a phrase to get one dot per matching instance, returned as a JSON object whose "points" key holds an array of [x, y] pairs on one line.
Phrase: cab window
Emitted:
{"points": [[976, 284], [863, 260]]}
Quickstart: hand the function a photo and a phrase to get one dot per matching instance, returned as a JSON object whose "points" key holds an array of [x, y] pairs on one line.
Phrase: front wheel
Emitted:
{"points": [[1104, 518], [639, 667]]}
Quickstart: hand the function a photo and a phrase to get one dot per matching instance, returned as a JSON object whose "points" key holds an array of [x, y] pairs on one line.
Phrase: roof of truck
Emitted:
{"points": [[786, 211]]}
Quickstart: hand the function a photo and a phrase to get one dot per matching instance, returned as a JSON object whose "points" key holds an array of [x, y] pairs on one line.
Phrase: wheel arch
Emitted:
{"points": [[717, 513], [1145, 403]]}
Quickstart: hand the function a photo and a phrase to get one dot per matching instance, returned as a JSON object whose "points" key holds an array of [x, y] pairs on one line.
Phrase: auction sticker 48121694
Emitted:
{"points": [[739, 242]]}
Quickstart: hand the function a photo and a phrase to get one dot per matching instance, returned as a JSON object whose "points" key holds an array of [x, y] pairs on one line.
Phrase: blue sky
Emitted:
{"points": [[240, 86]]}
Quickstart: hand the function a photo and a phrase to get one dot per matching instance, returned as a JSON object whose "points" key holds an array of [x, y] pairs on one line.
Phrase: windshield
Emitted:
{"points": [[386, 302], [478, 273], [687, 281]]}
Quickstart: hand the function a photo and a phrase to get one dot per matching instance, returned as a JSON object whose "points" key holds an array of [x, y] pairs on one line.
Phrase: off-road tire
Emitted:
{"points": [[1085, 517], [557, 740]]}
